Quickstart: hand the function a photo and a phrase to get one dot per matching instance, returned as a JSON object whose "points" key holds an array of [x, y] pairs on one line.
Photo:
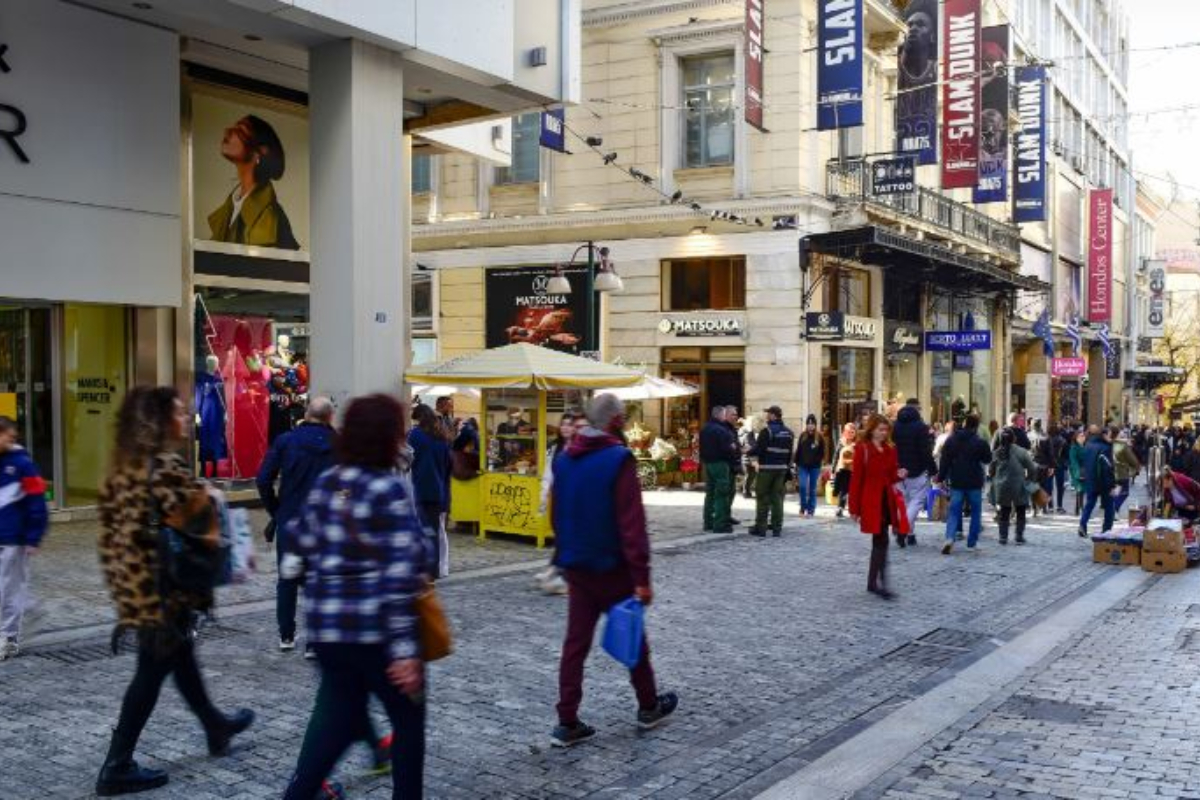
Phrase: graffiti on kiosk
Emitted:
{"points": [[511, 505]]}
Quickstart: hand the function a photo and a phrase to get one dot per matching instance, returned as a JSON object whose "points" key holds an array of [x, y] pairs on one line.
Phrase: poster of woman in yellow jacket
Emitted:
{"points": [[251, 214]]}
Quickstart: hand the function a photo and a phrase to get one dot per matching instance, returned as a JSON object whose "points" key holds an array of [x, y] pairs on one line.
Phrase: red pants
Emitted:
{"points": [[591, 595]]}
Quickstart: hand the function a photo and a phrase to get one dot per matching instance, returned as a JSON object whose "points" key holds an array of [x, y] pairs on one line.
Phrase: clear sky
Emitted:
{"points": [[1165, 142]]}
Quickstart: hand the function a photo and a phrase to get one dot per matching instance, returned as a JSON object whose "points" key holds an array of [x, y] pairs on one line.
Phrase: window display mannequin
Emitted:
{"points": [[288, 391], [210, 416]]}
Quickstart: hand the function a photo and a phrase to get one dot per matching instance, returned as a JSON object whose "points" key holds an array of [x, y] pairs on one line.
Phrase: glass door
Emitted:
{"points": [[26, 384]]}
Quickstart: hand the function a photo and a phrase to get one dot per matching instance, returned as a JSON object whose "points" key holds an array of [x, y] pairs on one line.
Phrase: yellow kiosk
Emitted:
{"points": [[522, 384]]}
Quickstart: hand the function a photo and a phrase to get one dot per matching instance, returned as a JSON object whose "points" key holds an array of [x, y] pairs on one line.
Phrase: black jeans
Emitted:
{"points": [[154, 663], [1060, 484], [287, 596], [350, 673], [877, 572], [1005, 516]]}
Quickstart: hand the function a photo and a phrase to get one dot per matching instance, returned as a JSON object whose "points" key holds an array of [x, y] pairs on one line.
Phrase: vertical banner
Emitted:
{"points": [[916, 100], [1156, 310], [993, 120], [960, 94], [1029, 151], [752, 102], [840, 65], [1099, 258], [554, 130]]}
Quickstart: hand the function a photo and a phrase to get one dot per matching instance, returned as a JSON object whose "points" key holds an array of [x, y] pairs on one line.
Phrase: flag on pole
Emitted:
{"points": [[1073, 335], [1105, 341], [1041, 329]]}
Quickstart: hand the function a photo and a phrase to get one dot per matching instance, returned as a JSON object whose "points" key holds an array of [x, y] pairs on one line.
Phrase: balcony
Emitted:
{"points": [[849, 181]]}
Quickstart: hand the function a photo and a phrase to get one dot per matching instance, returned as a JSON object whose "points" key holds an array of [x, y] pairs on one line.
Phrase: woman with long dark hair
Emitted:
{"points": [[873, 502], [149, 478], [431, 478], [366, 556]]}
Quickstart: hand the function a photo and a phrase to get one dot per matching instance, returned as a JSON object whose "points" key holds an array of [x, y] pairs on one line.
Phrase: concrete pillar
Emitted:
{"points": [[360, 219]]}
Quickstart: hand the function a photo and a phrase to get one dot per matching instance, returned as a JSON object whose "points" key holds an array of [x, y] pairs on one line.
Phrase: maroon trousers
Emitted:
{"points": [[591, 595]]}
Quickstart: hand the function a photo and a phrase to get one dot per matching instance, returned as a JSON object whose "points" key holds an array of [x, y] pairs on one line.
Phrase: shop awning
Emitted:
{"points": [[883, 247], [524, 366], [655, 388]]}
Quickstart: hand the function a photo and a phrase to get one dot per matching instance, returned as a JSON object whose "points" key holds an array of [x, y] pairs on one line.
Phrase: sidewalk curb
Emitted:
{"points": [[859, 761]]}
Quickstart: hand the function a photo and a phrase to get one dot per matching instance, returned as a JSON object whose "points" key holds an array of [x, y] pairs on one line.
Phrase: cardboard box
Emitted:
{"points": [[1164, 562], [1121, 555], [1163, 539]]}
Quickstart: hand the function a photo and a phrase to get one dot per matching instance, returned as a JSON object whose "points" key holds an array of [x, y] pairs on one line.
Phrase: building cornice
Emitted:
{"points": [[644, 215], [697, 31], [639, 9]]}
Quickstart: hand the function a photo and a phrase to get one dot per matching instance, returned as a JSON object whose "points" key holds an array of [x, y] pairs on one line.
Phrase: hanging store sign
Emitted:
{"points": [[1099, 260], [963, 362], [701, 326], [825, 326], [894, 176], [960, 94], [753, 64], [903, 337], [916, 100], [947, 341], [1156, 313], [1072, 367], [993, 120], [554, 130], [1112, 364], [840, 65], [1029, 151]]}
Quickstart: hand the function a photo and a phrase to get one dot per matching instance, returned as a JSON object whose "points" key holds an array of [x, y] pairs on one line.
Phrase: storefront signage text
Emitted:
{"points": [[1156, 317], [1071, 367], [93, 390], [860, 330], [825, 326], [1100, 272], [701, 326], [942, 341], [12, 119], [1029, 151], [894, 176], [904, 338]]}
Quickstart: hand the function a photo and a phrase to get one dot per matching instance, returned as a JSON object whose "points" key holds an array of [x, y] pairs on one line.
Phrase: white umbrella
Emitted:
{"points": [[419, 390], [655, 388]]}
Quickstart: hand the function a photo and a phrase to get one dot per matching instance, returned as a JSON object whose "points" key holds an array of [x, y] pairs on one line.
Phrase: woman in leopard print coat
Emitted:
{"points": [[147, 472]]}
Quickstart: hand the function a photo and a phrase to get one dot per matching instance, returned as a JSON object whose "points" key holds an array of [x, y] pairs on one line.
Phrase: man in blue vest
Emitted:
{"points": [[774, 452], [602, 546]]}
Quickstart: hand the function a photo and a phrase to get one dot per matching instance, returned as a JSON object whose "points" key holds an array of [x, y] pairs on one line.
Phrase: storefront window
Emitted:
{"points": [[848, 290], [847, 386], [512, 425], [95, 361], [25, 382], [719, 373], [251, 375], [962, 382], [700, 284]]}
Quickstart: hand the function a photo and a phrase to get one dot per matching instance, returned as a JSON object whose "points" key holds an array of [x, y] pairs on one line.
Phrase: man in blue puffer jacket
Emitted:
{"points": [[297, 459], [22, 525]]}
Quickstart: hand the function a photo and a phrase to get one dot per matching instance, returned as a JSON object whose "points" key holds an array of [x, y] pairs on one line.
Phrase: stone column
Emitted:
{"points": [[360, 218]]}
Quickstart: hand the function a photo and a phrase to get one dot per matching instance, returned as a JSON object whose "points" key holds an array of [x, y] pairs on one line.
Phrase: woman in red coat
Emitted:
{"points": [[872, 500]]}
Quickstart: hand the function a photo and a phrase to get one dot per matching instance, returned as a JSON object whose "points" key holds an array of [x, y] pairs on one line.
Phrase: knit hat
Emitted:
{"points": [[811, 419]]}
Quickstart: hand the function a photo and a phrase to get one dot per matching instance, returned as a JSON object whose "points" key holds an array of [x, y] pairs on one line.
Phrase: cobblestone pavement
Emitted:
{"points": [[776, 649]]}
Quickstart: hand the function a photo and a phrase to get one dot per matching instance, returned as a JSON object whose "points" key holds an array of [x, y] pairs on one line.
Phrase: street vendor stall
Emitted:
{"points": [[521, 384]]}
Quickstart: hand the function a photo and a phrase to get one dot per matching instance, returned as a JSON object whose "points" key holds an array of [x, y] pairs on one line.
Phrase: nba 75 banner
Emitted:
{"points": [[993, 120], [916, 100], [960, 94], [840, 64]]}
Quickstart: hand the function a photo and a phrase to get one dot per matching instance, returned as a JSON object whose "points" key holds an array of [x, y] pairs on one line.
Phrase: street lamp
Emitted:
{"points": [[605, 280]]}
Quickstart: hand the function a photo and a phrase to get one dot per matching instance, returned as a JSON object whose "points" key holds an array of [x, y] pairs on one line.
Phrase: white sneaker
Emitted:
{"points": [[9, 649], [543, 576], [554, 585], [287, 645]]}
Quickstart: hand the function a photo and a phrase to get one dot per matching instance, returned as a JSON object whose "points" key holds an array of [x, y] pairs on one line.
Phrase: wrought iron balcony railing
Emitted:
{"points": [[850, 180]]}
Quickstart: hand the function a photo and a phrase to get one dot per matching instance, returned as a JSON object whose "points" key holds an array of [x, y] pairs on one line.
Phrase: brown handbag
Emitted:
{"points": [[433, 629]]}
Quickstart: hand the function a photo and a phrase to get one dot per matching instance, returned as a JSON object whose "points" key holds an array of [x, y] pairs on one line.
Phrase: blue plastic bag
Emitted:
{"points": [[623, 632]]}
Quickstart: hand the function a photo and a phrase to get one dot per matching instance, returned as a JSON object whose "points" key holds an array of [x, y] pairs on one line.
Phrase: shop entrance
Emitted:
{"points": [[26, 385], [847, 384], [718, 371]]}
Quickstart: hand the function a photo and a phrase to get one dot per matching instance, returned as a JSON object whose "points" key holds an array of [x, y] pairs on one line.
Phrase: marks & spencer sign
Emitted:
{"points": [[12, 119]]}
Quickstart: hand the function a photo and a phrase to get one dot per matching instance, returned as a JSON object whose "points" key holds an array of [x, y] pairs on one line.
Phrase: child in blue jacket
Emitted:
{"points": [[22, 526]]}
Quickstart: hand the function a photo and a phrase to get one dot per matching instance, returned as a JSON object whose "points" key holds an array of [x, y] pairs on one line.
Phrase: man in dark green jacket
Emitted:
{"points": [[718, 447]]}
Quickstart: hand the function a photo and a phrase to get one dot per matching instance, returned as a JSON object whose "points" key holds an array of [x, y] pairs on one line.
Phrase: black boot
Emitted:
{"points": [[222, 731], [121, 774]]}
